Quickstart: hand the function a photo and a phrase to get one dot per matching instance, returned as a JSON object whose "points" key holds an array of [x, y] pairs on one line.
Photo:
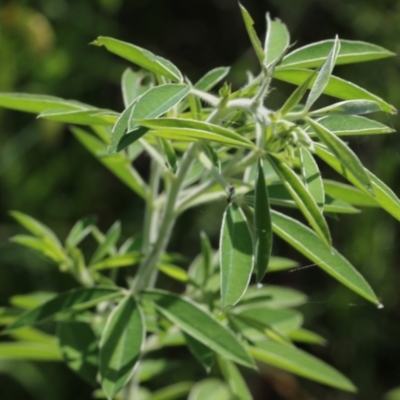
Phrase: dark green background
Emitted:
{"points": [[46, 173]]}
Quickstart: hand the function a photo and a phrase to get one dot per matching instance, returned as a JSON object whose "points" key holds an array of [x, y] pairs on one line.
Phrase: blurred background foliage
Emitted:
{"points": [[46, 173]]}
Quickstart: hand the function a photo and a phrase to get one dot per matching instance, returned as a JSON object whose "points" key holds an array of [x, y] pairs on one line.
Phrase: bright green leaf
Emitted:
{"points": [[276, 42], [81, 117], [309, 244], [351, 125], [262, 225], [79, 231], [210, 389], [322, 79], [281, 264], [236, 256], [29, 351], [336, 87], [303, 198], [30, 300], [300, 363], [175, 128], [255, 41], [344, 154], [234, 379], [118, 261], [107, 244], [314, 55], [193, 320], [141, 57], [132, 85], [349, 107], [312, 176], [121, 346], [211, 78], [306, 336]]}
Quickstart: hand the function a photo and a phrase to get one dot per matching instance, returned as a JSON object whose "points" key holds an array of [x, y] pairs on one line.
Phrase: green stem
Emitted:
{"points": [[146, 274]]}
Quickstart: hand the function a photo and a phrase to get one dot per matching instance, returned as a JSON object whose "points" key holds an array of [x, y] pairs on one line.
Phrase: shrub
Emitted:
{"points": [[204, 147]]}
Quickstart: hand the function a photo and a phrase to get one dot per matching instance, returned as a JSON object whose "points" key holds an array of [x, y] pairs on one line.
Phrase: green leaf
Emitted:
{"points": [[276, 42], [80, 230], [295, 98], [309, 244], [118, 261], [312, 176], [349, 194], [236, 256], [29, 334], [255, 41], [303, 198], [207, 254], [344, 154], [108, 244], [382, 194], [29, 351], [202, 353], [262, 225], [37, 103], [300, 363], [149, 368], [85, 117], [336, 87], [234, 379], [40, 245], [170, 154], [132, 85], [67, 301], [173, 392], [323, 76], [118, 163], [141, 57], [306, 336], [351, 125], [185, 129], [120, 346], [273, 297], [283, 320], [174, 272], [348, 107], [211, 78], [37, 228], [151, 104], [314, 55], [78, 345], [281, 264], [210, 389], [30, 300], [200, 324]]}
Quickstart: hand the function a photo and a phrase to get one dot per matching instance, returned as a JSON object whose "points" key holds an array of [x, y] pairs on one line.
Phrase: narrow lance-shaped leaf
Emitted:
{"points": [[28, 351], [81, 117], [351, 125], [67, 301], [300, 363], [349, 193], [80, 230], [295, 98], [210, 389], [346, 156], [121, 346], [255, 41], [211, 78], [234, 379], [169, 154], [141, 57], [314, 55], [107, 245], [312, 176], [262, 225], [382, 194], [323, 76], [200, 324], [309, 244], [336, 87], [132, 85], [349, 107], [185, 129], [303, 198], [236, 256], [37, 103], [276, 41]]}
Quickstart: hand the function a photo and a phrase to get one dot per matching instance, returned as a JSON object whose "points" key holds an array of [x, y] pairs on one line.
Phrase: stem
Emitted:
{"points": [[146, 275]]}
